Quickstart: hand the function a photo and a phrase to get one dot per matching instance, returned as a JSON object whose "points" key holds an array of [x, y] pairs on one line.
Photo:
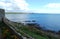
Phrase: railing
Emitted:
{"points": [[9, 23], [12, 25]]}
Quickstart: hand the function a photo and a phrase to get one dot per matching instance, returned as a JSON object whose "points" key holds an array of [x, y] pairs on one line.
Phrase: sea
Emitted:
{"points": [[46, 21]]}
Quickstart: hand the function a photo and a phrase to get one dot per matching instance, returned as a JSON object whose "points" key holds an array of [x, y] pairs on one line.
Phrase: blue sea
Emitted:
{"points": [[46, 21]]}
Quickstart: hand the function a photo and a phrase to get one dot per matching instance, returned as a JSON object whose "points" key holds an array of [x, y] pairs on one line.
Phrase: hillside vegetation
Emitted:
{"points": [[26, 31]]}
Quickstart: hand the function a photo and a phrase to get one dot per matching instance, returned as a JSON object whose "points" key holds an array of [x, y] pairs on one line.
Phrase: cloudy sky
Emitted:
{"points": [[40, 6]]}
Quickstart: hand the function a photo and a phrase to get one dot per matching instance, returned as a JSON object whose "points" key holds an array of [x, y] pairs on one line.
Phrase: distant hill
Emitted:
{"points": [[16, 12]]}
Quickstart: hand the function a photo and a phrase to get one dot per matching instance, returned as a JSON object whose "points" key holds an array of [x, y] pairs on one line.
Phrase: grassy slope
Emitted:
{"points": [[6, 34], [35, 33], [32, 32]]}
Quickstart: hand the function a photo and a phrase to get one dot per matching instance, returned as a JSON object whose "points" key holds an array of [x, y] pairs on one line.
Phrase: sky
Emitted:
{"points": [[38, 6]]}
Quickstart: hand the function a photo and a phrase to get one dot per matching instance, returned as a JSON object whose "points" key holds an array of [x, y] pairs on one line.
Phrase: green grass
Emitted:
{"points": [[34, 35], [31, 33]]}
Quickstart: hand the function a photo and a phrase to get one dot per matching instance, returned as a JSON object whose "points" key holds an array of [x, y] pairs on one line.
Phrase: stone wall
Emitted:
{"points": [[2, 14]]}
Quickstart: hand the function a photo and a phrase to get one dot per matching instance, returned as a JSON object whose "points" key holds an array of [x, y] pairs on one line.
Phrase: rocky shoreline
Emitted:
{"points": [[49, 33]]}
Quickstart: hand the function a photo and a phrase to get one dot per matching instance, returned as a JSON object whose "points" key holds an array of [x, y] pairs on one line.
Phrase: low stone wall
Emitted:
{"points": [[9, 23]]}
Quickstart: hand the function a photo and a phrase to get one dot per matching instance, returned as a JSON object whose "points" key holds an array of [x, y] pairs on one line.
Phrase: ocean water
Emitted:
{"points": [[46, 21]]}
